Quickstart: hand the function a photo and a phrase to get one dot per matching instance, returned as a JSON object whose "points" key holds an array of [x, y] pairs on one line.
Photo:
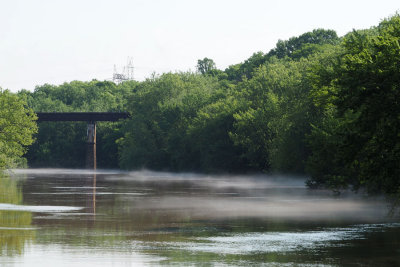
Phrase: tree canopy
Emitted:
{"points": [[205, 65], [362, 112], [17, 125]]}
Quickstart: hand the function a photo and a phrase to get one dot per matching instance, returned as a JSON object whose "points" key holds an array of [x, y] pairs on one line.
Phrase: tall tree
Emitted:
{"points": [[17, 125], [205, 65]]}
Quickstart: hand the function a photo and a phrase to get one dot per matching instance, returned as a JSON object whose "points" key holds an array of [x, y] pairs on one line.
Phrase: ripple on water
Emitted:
{"points": [[257, 242]]}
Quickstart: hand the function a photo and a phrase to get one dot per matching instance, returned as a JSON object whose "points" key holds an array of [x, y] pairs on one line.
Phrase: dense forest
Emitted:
{"points": [[316, 104]]}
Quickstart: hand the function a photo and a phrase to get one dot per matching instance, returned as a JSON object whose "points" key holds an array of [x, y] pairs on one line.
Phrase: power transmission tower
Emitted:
{"points": [[130, 69], [126, 74]]}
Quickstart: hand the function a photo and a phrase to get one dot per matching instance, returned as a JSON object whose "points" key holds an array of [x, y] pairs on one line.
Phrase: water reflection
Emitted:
{"points": [[15, 226], [91, 196], [148, 218]]}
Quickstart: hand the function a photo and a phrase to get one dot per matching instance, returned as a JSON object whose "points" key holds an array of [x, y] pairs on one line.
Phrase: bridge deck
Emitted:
{"points": [[81, 116]]}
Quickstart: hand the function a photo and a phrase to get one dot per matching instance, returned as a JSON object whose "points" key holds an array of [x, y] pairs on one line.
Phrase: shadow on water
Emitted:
{"points": [[163, 218]]}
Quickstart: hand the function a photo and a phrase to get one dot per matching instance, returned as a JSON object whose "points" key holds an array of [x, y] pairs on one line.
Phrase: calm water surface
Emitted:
{"points": [[79, 218]]}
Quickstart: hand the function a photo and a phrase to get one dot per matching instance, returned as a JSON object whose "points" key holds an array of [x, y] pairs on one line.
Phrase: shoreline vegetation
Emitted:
{"points": [[317, 105]]}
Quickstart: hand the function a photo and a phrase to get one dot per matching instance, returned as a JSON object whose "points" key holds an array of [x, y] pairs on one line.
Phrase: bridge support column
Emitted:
{"points": [[91, 146]]}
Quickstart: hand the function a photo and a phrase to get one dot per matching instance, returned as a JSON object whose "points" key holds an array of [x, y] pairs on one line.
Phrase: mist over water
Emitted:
{"points": [[222, 196], [148, 218], [275, 196]]}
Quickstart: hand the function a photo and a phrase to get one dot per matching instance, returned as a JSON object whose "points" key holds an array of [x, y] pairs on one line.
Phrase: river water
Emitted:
{"points": [[62, 217]]}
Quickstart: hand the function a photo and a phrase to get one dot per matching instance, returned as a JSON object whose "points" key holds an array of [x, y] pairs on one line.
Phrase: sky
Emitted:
{"points": [[57, 41]]}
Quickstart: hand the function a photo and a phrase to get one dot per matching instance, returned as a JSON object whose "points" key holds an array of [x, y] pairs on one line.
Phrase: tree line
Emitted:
{"points": [[316, 104]]}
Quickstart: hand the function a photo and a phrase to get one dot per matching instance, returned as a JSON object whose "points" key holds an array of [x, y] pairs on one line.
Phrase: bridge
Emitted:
{"points": [[91, 118]]}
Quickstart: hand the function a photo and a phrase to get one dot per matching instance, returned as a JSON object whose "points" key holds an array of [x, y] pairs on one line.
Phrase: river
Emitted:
{"points": [[63, 217]]}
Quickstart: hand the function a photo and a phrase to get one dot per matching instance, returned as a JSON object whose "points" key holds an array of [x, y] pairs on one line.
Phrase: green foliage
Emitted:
{"points": [[245, 70], [205, 65], [295, 48], [162, 108], [277, 118], [304, 45], [211, 146], [364, 91], [59, 144], [17, 125], [79, 96]]}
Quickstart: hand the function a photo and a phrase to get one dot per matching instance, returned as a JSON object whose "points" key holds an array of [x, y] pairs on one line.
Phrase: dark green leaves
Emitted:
{"points": [[364, 94]]}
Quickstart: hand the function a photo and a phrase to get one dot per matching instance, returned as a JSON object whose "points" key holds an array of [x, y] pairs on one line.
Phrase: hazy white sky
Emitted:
{"points": [[56, 41]]}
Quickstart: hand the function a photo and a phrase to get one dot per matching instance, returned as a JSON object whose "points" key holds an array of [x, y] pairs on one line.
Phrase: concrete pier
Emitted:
{"points": [[91, 146]]}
